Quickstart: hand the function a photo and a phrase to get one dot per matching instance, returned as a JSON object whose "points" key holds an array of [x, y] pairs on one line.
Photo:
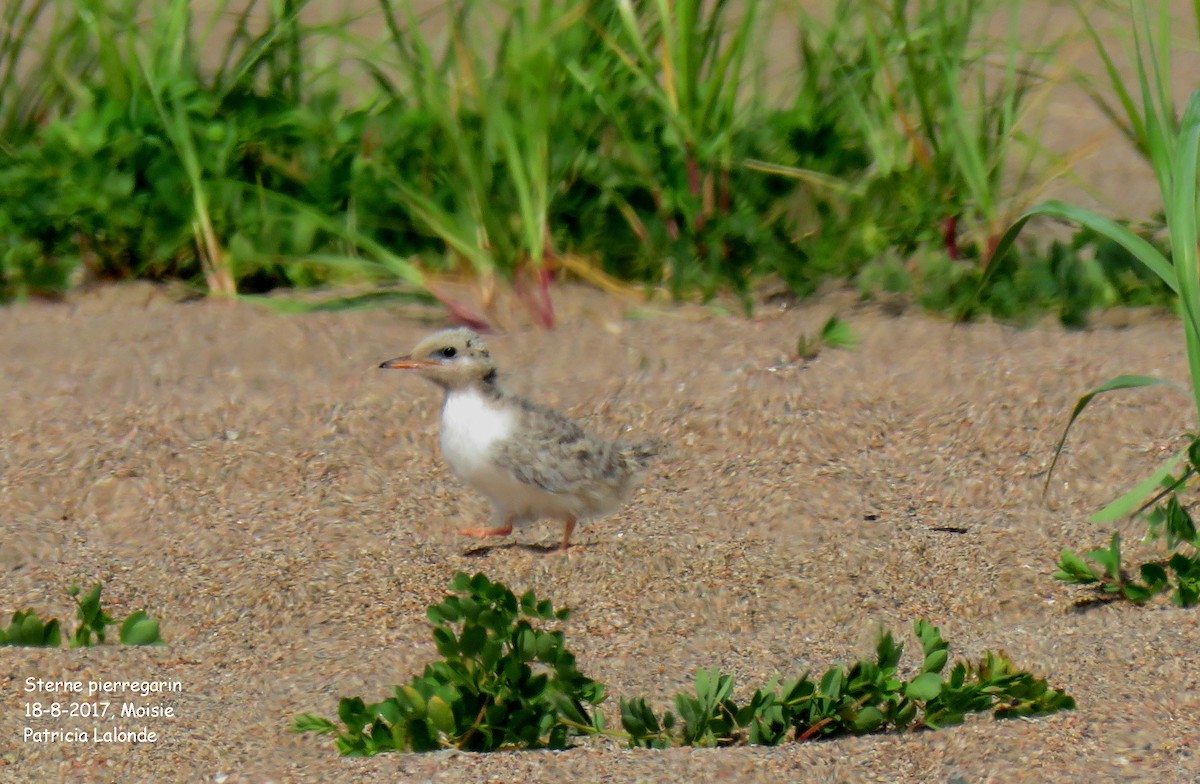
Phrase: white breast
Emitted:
{"points": [[471, 424]]}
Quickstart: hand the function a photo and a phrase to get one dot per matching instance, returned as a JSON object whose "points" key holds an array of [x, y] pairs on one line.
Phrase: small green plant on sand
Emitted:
{"points": [[864, 697], [1171, 142], [505, 683], [502, 683], [27, 628], [835, 334]]}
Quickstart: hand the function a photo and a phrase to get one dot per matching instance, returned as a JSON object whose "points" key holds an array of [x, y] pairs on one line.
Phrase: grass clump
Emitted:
{"points": [[506, 683], [630, 144], [835, 334], [28, 629]]}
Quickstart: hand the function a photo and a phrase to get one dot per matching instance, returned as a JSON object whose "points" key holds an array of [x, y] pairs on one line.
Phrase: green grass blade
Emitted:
{"points": [[1181, 220], [1132, 123], [1130, 501], [1120, 382], [1146, 253], [401, 268]]}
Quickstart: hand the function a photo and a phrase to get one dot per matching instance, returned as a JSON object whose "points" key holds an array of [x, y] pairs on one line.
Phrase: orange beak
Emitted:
{"points": [[407, 363]]}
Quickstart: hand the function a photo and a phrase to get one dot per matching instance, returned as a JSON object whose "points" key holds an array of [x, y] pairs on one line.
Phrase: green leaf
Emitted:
{"points": [[307, 722], [1109, 558], [1154, 576], [422, 736], [1127, 503], [1179, 524], [440, 715], [837, 334], [929, 635], [446, 644], [388, 710], [547, 646], [935, 661], [924, 687], [868, 719], [1137, 593], [472, 640], [887, 652], [140, 629], [831, 684], [1112, 385], [414, 704], [1073, 569], [353, 713]]}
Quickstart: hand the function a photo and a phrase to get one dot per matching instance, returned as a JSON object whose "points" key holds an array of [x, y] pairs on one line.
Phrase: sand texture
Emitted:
{"points": [[256, 483]]}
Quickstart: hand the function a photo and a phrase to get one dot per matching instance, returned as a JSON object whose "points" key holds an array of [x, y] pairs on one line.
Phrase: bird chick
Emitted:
{"points": [[529, 460]]}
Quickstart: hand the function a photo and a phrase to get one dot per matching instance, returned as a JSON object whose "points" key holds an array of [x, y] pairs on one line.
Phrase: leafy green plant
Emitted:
{"points": [[1070, 279], [835, 334], [504, 683], [93, 620], [867, 696], [1172, 144], [1179, 574], [27, 628]]}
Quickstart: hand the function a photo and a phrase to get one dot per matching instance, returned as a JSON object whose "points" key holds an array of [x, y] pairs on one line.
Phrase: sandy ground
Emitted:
{"points": [[256, 483]]}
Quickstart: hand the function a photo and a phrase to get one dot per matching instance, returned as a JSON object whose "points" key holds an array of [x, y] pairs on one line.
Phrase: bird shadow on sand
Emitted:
{"points": [[540, 549]]}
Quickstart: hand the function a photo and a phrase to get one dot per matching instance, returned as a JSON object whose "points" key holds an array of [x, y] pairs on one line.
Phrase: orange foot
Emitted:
{"points": [[565, 548], [483, 533]]}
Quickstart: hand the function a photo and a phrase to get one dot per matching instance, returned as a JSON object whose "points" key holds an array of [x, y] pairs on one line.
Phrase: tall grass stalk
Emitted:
{"points": [[163, 57], [507, 119], [692, 65], [1172, 144], [958, 100]]}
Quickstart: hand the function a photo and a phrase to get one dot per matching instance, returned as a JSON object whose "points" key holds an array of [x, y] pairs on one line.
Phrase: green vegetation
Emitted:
{"points": [[835, 334], [506, 683], [503, 683], [864, 697], [26, 628], [624, 143], [1171, 142]]}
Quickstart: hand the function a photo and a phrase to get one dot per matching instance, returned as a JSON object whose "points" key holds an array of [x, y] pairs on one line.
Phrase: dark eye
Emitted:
{"points": [[448, 352]]}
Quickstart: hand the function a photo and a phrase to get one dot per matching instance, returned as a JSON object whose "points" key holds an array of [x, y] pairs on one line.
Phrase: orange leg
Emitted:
{"points": [[483, 533], [566, 542]]}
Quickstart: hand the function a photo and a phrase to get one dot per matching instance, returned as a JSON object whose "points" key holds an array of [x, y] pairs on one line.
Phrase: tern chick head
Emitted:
{"points": [[452, 359]]}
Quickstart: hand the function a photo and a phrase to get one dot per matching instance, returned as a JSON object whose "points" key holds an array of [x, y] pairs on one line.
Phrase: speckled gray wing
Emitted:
{"points": [[558, 456], [555, 455]]}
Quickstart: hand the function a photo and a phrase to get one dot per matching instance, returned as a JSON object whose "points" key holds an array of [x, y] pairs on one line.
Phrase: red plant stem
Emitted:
{"points": [[950, 237], [814, 729], [461, 314]]}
